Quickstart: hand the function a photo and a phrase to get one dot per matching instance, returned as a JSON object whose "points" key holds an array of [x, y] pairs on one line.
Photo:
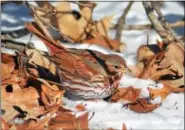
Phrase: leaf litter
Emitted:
{"points": [[28, 95]]}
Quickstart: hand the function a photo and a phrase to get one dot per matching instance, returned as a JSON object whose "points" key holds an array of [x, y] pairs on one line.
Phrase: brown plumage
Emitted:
{"points": [[85, 73]]}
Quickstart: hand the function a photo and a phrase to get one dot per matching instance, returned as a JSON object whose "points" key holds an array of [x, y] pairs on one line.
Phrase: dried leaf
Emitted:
{"points": [[86, 11], [32, 124], [105, 42], [110, 129], [68, 23], [51, 97], [129, 94], [17, 101], [4, 124], [64, 121], [36, 58], [136, 70], [80, 107], [163, 92], [142, 106], [166, 66], [82, 122], [124, 127], [104, 25], [7, 66], [144, 53]]}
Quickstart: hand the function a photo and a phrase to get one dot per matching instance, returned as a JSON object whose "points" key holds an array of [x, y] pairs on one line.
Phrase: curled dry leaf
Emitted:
{"points": [[129, 94], [65, 120], [17, 101], [80, 107], [4, 125], [142, 106], [163, 92], [102, 26], [165, 66], [70, 23], [33, 124], [30, 102], [77, 26], [144, 53], [105, 42], [124, 127], [51, 97], [37, 58], [110, 129], [7, 66], [86, 11], [82, 122]]}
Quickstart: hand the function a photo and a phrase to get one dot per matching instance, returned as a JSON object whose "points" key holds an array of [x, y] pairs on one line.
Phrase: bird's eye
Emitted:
{"points": [[116, 66]]}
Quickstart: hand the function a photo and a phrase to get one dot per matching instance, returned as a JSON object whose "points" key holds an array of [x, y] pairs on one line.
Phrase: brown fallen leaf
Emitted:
{"points": [[103, 26], [37, 58], [65, 120], [33, 124], [126, 94], [70, 23], [164, 92], [16, 101], [155, 71], [51, 97], [142, 106], [4, 125], [165, 66], [124, 127], [137, 69], [86, 11], [105, 42], [144, 53], [82, 122], [80, 107], [110, 129], [7, 66]]}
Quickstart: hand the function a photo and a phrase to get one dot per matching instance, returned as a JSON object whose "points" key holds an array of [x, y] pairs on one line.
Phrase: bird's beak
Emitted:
{"points": [[124, 70]]}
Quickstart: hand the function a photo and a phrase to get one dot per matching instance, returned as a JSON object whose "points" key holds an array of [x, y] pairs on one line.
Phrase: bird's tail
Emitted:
{"points": [[52, 45]]}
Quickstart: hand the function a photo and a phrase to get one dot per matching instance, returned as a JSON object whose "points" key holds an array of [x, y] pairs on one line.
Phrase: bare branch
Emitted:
{"points": [[10, 44], [149, 26], [160, 28], [121, 21]]}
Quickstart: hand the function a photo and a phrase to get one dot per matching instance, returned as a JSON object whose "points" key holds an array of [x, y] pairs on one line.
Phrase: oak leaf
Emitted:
{"points": [[80, 107], [37, 58], [68, 23], [105, 42], [103, 25], [7, 66], [4, 124], [142, 106], [163, 92], [87, 10], [129, 94]]}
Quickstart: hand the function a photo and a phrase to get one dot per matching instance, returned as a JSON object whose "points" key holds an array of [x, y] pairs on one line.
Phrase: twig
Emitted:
{"points": [[166, 35], [41, 22], [121, 21], [149, 26], [11, 44], [156, 6]]}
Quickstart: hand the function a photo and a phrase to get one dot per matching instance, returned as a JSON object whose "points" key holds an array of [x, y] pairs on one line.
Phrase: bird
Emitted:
{"points": [[87, 74]]}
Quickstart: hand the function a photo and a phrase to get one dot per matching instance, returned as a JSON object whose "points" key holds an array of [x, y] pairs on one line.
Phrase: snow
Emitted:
{"points": [[170, 115]]}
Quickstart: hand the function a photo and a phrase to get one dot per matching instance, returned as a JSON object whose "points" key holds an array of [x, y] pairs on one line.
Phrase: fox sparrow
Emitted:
{"points": [[84, 73]]}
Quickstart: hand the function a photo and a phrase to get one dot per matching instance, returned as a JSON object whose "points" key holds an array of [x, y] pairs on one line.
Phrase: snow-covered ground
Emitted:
{"points": [[170, 115]]}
